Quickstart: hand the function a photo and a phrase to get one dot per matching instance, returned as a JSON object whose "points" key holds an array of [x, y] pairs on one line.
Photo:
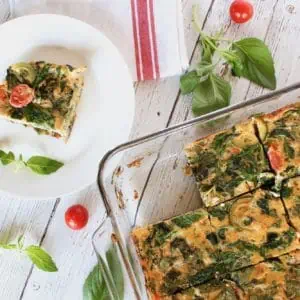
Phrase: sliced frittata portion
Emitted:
{"points": [[266, 280], [291, 262], [42, 95], [176, 253], [251, 228], [280, 134], [228, 164], [213, 290], [290, 194]]}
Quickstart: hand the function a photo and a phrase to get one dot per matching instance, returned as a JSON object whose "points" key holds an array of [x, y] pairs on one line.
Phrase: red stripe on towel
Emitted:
{"points": [[136, 41], [152, 20]]}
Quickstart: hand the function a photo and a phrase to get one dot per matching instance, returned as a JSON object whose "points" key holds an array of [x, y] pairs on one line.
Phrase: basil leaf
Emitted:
{"points": [[188, 82], [94, 287], [258, 64], [204, 68], [211, 94], [281, 132], [40, 258], [207, 50], [6, 158], [115, 267], [43, 165]]}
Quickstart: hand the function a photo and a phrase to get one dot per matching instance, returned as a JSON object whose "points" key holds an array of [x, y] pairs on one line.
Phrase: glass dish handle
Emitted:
{"points": [[103, 242]]}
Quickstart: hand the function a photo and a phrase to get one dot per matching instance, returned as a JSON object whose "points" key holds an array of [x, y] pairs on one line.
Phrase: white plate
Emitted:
{"points": [[104, 115]]}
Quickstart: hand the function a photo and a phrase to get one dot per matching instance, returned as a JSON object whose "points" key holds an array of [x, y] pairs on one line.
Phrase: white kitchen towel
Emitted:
{"points": [[149, 33]]}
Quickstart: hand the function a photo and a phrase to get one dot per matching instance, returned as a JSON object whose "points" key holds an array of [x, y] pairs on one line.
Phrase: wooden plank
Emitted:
{"points": [[20, 217], [71, 250]]}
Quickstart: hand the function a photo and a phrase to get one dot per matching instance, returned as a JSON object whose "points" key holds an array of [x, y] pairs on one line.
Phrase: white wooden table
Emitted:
{"points": [[158, 104]]}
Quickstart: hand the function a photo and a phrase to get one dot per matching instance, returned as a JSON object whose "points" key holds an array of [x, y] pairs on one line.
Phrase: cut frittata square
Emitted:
{"points": [[250, 229], [228, 164], [290, 194], [176, 253], [280, 133], [213, 290], [43, 96], [291, 262], [266, 280]]}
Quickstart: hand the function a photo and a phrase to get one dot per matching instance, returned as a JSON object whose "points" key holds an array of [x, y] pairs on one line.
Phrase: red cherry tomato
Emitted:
{"points": [[21, 95], [275, 157], [76, 217], [3, 95], [241, 11]]}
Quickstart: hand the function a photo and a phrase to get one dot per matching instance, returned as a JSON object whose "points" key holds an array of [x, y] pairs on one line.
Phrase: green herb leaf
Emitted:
{"points": [[204, 68], [43, 165], [6, 158], [258, 64], [40, 258], [211, 94], [94, 287], [115, 267], [188, 82], [281, 132]]}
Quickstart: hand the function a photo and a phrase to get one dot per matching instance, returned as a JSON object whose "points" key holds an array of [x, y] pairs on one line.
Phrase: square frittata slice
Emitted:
{"points": [[280, 134], [251, 228], [266, 280], [43, 96], [212, 290], [228, 164], [290, 194], [176, 253]]}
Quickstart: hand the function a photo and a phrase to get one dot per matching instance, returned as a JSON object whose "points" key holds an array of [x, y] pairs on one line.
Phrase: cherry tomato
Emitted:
{"points": [[275, 157], [76, 217], [3, 94], [21, 95], [241, 11]]}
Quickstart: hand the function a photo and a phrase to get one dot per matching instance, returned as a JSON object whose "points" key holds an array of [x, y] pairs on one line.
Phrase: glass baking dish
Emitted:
{"points": [[145, 181]]}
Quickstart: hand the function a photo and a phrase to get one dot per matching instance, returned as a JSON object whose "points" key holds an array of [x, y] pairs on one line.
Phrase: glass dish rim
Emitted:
{"points": [[161, 133]]}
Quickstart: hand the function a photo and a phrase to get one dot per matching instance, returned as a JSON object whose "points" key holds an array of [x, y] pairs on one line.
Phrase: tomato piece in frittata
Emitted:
{"points": [[228, 164], [280, 134], [251, 228], [290, 194], [174, 252]]}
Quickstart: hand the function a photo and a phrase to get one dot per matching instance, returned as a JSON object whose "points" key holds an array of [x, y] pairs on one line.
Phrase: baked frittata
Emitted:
{"points": [[228, 164], [280, 134], [251, 228], [42, 95], [213, 290], [176, 253]]}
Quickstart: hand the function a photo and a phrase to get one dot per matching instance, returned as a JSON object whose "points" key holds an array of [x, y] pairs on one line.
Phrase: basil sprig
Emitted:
{"points": [[95, 288], [249, 58], [38, 164], [39, 257]]}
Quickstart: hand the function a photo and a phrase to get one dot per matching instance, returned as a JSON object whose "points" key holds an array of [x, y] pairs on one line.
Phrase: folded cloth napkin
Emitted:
{"points": [[149, 33]]}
